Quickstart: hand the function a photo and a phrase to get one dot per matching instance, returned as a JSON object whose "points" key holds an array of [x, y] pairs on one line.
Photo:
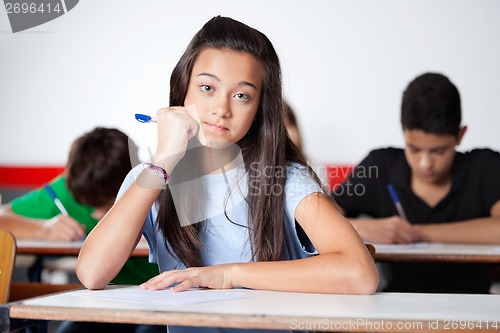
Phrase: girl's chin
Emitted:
{"points": [[216, 145], [210, 143]]}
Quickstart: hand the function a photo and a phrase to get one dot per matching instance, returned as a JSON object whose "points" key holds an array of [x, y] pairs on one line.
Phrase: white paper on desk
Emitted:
{"points": [[396, 247], [165, 297], [36, 243]]}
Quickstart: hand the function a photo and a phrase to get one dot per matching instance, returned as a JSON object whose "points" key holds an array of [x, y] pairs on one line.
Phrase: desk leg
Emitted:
{"points": [[35, 271]]}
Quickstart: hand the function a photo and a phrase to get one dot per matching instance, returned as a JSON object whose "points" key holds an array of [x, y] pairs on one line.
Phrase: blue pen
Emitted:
{"points": [[142, 118], [397, 202], [54, 197]]}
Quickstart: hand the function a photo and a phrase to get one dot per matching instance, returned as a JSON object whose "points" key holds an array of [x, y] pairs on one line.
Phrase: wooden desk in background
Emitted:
{"points": [[22, 290], [41, 247], [438, 252], [254, 309]]}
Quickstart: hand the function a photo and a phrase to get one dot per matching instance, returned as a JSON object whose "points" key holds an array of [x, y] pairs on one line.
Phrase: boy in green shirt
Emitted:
{"points": [[37, 205], [97, 164]]}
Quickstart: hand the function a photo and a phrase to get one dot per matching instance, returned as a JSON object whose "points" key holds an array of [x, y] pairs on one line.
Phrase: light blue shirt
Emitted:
{"points": [[227, 240]]}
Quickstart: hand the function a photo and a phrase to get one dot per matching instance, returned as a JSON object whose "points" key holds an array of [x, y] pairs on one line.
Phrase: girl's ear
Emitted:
{"points": [[460, 134]]}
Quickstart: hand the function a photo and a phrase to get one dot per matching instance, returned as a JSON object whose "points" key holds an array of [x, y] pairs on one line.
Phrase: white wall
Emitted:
{"points": [[345, 65]]}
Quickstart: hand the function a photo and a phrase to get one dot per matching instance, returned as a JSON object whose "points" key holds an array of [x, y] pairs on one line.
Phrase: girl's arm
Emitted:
{"points": [[114, 238], [110, 243], [343, 266]]}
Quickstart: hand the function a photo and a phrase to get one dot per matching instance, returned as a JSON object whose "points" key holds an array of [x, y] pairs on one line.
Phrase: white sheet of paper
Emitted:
{"points": [[165, 297], [397, 247], [439, 248], [48, 244]]}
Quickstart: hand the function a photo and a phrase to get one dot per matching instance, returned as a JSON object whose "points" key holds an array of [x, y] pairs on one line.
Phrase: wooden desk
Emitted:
{"points": [[40, 247], [382, 312], [20, 290], [438, 252]]}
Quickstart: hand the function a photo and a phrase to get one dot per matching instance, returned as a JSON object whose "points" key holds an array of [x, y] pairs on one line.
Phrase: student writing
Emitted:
{"points": [[97, 163], [447, 196]]}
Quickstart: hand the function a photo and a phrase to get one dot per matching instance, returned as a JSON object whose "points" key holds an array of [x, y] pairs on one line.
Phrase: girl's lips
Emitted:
{"points": [[216, 127]]}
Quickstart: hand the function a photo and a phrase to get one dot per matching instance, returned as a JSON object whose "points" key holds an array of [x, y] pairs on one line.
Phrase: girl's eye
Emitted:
{"points": [[206, 88], [242, 97]]}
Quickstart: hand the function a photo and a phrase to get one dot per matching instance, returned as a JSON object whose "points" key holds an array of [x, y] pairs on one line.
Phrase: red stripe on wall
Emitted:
{"points": [[20, 176], [336, 174]]}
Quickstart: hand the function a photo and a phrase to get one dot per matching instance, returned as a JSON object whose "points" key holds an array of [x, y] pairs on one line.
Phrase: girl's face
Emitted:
{"points": [[224, 88]]}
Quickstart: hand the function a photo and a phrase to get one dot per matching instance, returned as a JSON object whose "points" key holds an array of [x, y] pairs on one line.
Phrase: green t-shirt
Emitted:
{"points": [[38, 204]]}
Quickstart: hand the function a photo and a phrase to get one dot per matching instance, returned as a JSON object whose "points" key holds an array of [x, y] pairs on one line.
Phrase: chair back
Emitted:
{"points": [[7, 260]]}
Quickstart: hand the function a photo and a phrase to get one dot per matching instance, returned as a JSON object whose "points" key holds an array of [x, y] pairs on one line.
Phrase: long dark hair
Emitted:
{"points": [[266, 144]]}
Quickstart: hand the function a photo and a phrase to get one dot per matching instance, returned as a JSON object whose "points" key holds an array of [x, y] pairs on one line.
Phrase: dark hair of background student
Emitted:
{"points": [[431, 103], [98, 162]]}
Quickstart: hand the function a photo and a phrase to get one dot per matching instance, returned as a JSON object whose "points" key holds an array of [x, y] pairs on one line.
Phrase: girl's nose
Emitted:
{"points": [[221, 108]]}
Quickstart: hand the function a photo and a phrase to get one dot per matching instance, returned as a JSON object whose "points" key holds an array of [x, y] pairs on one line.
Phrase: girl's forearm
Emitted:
{"points": [[327, 273], [111, 242]]}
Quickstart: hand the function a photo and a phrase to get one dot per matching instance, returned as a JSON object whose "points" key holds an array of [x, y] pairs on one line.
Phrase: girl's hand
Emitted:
{"points": [[175, 128], [213, 277]]}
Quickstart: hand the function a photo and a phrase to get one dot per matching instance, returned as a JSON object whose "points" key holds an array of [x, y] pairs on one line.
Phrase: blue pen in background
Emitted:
{"points": [[54, 197], [397, 202], [142, 118]]}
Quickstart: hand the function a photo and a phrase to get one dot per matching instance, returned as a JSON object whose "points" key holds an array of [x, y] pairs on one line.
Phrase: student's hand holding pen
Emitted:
{"points": [[390, 230], [62, 228], [176, 126]]}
